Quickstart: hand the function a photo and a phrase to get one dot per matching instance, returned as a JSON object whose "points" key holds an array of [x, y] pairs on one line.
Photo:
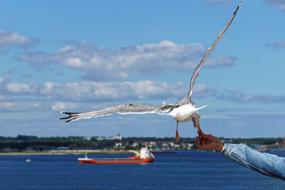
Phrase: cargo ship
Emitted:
{"points": [[142, 157]]}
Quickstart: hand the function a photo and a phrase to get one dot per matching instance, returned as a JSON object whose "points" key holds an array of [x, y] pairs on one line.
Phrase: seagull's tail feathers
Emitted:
{"points": [[202, 107], [71, 116]]}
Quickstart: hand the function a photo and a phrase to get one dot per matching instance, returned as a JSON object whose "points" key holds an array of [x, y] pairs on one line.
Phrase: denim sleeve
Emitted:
{"points": [[267, 164]]}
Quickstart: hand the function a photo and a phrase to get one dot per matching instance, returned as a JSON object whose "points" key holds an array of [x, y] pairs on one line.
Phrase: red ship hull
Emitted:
{"points": [[115, 161]]}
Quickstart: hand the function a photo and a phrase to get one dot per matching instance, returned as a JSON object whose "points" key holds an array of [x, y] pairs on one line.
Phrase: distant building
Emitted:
{"points": [[171, 144], [118, 145], [165, 145], [61, 148], [87, 138], [190, 145], [135, 144], [152, 144], [117, 137], [100, 138]]}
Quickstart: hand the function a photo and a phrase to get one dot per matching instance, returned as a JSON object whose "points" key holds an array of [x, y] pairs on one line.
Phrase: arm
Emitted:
{"points": [[267, 164]]}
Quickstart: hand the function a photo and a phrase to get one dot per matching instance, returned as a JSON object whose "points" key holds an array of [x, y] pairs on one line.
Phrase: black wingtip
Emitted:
{"points": [[64, 118], [70, 116]]}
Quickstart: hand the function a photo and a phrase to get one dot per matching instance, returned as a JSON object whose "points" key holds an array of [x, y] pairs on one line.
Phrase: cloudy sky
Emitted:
{"points": [[79, 56]]}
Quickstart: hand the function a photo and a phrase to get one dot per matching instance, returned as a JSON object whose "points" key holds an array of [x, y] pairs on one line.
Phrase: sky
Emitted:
{"points": [[85, 55]]}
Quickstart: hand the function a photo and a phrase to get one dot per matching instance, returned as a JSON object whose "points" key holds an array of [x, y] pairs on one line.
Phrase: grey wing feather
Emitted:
{"points": [[208, 52], [119, 109]]}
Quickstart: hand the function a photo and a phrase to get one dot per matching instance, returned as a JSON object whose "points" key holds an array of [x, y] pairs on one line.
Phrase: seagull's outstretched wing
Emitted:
{"points": [[119, 109], [208, 52]]}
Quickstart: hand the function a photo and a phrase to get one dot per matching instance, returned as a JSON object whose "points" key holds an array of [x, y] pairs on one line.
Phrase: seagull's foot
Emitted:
{"points": [[200, 132], [177, 137], [196, 123]]}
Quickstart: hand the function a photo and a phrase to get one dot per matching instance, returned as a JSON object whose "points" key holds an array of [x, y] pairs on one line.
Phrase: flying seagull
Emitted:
{"points": [[182, 111]]}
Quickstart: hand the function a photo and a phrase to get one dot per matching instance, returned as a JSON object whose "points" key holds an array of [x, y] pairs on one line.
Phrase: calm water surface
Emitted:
{"points": [[184, 170]]}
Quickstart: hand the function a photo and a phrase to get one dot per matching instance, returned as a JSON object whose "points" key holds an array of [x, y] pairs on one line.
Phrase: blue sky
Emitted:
{"points": [[80, 56]]}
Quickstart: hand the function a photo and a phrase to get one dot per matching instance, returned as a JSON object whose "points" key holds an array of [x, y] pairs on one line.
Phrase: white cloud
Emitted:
{"points": [[59, 106], [18, 88], [223, 2], [47, 87], [2, 98], [277, 3], [7, 86], [107, 91], [222, 61], [64, 96], [10, 39], [52, 95], [91, 90], [5, 79], [85, 95], [74, 62], [276, 45], [20, 106], [241, 97], [104, 64]]}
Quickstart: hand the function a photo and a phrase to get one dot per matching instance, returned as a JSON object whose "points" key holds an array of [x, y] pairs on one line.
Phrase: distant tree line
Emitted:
{"points": [[253, 141], [23, 142]]}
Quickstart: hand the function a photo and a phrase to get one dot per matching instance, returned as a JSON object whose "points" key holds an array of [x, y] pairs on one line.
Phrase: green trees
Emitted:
{"points": [[34, 143]]}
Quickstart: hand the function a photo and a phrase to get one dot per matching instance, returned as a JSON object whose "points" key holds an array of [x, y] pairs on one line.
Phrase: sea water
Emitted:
{"points": [[170, 171]]}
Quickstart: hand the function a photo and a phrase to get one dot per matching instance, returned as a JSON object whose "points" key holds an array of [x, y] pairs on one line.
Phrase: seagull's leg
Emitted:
{"points": [[196, 122], [177, 136]]}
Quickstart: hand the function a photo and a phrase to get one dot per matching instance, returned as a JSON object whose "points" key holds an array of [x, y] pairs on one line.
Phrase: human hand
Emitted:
{"points": [[208, 142]]}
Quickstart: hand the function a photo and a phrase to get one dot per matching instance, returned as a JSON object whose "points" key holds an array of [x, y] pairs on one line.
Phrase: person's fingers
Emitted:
{"points": [[200, 139], [197, 142], [209, 138], [203, 140], [212, 138]]}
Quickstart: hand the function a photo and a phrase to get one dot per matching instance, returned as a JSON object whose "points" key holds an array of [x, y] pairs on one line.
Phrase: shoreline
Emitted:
{"points": [[64, 152], [77, 152]]}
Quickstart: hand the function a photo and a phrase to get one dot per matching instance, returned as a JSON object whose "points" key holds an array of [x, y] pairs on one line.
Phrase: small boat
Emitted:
{"points": [[28, 160], [145, 157]]}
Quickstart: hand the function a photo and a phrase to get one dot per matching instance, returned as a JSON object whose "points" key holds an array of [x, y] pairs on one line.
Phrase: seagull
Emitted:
{"points": [[182, 111]]}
